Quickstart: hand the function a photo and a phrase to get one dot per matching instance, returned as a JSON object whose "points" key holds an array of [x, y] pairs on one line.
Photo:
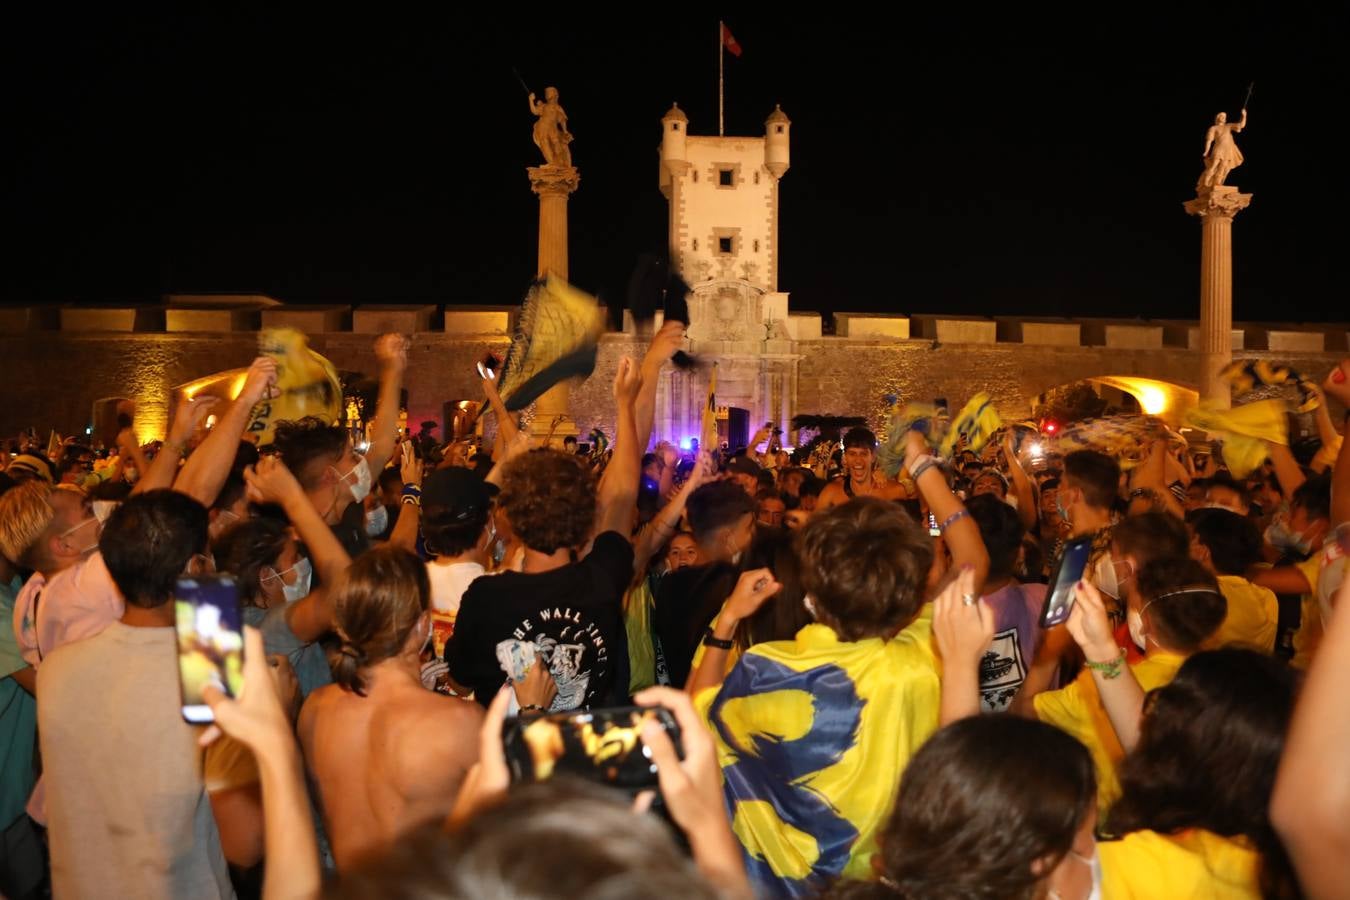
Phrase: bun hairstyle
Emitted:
{"points": [[376, 605]]}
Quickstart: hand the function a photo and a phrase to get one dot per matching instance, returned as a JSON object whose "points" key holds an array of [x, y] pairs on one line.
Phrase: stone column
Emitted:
{"points": [[553, 184], [1216, 207]]}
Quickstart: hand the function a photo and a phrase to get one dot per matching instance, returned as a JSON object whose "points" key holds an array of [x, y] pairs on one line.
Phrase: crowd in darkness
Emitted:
{"points": [[863, 694]]}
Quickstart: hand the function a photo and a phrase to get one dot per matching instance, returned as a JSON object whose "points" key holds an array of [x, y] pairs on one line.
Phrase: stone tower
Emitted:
{"points": [[723, 216]]}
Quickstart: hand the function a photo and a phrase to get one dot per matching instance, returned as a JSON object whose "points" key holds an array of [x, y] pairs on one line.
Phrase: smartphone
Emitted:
{"points": [[1072, 563], [933, 528], [599, 745], [485, 371], [210, 641]]}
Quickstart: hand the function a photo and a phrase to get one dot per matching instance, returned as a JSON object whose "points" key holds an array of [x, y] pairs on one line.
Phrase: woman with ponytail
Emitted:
{"points": [[385, 753]]}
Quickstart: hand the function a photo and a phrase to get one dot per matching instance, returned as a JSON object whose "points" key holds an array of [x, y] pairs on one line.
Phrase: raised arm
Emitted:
{"points": [[1121, 694], [160, 473], [391, 350], [617, 494], [752, 589], [410, 514], [1151, 475], [963, 628], [271, 482], [1312, 788], [258, 720], [506, 423], [654, 537], [1021, 484], [662, 348], [958, 528], [209, 465], [1288, 473]]}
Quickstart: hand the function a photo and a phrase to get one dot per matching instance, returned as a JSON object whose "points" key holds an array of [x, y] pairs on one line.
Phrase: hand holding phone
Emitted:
{"points": [[208, 624], [602, 745], [1059, 599]]}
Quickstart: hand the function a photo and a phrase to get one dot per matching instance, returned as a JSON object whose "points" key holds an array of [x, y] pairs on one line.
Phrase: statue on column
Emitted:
{"points": [[1221, 151], [550, 131]]}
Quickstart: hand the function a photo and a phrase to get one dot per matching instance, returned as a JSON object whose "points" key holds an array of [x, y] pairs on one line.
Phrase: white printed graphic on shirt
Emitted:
{"points": [[1002, 671], [561, 639]]}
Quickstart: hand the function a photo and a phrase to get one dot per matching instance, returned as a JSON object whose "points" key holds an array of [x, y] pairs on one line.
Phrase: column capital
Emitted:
{"points": [[1222, 201], [554, 179]]}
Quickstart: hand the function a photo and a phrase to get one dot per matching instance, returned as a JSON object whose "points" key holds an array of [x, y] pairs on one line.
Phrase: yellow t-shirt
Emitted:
{"points": [[1192, 865], [1078, 710], [1253, 615], [812, 736], [1309, 634]]}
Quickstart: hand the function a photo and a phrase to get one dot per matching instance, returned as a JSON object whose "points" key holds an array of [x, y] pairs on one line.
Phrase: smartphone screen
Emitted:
{"points": [[210, 641], [1072, 563], [933, 528], [601, 745]]}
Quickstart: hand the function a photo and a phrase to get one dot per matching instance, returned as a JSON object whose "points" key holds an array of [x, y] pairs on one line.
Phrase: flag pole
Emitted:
{"points": [[721, 56]]}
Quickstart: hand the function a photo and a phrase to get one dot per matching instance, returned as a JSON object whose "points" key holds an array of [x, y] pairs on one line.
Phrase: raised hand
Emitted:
{"points": [[269, 481], [1090, 626], [963, 624], [752, 589], [391, 351], [627, 381], [261, 381]]}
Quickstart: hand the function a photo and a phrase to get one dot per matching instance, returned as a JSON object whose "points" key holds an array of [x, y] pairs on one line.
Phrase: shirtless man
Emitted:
{"points": [[861, 477], [386, 754]]}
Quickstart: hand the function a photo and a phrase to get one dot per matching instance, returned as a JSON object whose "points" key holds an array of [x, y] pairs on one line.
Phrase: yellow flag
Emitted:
{"points": [[308, 383], [708, 436], [1245, 430]]}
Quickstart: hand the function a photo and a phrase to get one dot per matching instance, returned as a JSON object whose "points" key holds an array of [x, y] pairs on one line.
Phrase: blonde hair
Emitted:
{"points": [[25, 514]]}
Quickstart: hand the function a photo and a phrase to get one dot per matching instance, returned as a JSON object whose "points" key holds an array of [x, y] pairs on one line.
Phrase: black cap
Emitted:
{"points": [[460, 492]]}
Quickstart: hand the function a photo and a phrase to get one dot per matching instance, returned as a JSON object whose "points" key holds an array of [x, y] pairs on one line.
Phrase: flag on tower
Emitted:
{"points": [[729, 42]]}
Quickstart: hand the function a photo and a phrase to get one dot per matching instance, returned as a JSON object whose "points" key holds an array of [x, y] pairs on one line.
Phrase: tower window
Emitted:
{"points": [[756, 178], [724, 245], [777, 128], [725, 177], [695, 174], [695, 245], [675, 126], [756, 245]]}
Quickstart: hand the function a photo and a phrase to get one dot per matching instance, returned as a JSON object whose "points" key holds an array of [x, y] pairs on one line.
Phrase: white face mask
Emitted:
{"points": [[1107, 579], [377, 520], [304, 573], [361, 487], [1135, 620], [103, 509]]}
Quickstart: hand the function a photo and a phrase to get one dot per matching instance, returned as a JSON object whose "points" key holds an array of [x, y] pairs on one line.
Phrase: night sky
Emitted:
{"points": [[958, 166]]}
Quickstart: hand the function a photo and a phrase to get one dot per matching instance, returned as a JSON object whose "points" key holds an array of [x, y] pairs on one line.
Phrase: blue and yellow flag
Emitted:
{"points": [[976, 422], [812, 735]]}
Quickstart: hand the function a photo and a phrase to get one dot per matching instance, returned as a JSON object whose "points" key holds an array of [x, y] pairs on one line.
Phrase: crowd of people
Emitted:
{"points": [[865, 700]]}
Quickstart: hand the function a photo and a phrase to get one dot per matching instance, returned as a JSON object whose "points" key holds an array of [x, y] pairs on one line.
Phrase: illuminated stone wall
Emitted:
{"points": [[55, 376]]}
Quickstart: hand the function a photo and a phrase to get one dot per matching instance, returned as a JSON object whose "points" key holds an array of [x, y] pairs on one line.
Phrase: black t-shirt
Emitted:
{"points": [[686, 603], [573, 615]]}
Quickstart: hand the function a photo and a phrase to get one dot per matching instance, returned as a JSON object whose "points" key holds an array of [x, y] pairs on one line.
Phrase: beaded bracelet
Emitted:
{"points": [[955, 517], [1110, 669]]}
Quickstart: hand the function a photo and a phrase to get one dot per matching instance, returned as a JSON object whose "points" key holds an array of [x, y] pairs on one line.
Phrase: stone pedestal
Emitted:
{"points": [[553, 184], [1216, 207]]}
